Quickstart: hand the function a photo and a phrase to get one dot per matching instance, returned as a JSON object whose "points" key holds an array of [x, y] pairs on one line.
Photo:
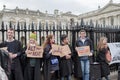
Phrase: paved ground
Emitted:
{"points": [[113, 76]]}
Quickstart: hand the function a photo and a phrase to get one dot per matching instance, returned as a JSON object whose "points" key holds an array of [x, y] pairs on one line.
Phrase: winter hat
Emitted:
{"points": [[33, 36]]}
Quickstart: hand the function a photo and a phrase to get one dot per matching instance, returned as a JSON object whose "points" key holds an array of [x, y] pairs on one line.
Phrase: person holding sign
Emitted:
{"points": [[33, 60], [65, 61], [51, 63], [84, 49], [14, 49], [101, 57]]}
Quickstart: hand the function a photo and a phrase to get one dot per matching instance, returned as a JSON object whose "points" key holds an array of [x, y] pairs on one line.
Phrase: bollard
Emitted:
{"points": [[95, 71]]}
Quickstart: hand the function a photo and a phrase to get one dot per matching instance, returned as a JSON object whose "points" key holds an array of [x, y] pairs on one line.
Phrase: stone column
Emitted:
{"points": [[115, 20], [109, 19], [118, 19], [106, 20]]}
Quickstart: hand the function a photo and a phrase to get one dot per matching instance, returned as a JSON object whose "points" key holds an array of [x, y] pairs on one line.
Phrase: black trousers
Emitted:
{"points": [[53, 76], [29, 75], [15, 75]]}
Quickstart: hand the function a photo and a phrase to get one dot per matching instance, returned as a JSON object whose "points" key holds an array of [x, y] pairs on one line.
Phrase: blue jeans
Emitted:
{"points": [[85, 65], [67, 77]]}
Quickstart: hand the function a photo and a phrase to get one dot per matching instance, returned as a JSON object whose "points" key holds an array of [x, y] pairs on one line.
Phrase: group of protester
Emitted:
{"points": [[52, 67]]}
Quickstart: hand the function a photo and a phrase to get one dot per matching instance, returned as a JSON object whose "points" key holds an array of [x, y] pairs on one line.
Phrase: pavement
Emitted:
{"points": [[113, 76]]}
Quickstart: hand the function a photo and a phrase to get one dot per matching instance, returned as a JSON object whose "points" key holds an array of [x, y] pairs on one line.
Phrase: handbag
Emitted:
{"points": [[54, 61], [108, 56]]}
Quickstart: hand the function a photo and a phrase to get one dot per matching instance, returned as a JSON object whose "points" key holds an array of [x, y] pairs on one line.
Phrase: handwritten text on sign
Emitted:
{"points": [[56, 50], [65, 50], [34, 51], [61, 51], [83, 51]]}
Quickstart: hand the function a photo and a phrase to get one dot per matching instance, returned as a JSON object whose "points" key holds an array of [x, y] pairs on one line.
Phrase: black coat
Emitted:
{"points": [[36, 70], [47, 63], [101, 58], [65, 66], [5, 62], [15, 47]]}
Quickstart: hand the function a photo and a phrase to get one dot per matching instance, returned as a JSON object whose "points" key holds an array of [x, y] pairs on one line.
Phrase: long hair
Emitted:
{"points": [[101, 45], [47, 41]]}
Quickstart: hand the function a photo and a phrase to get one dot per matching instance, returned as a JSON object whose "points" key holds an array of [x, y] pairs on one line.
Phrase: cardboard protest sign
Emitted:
{"points": [[83, 51], [61, 51], [65, 50], [34, 51], [56, 50]]}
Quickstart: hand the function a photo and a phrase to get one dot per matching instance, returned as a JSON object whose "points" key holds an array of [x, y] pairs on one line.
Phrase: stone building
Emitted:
{"points": [[108, 15], [34, 17], [31, 16]]}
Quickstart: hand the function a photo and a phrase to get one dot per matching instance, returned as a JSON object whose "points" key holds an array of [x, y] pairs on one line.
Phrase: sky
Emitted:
{"points": [[75, 6]]}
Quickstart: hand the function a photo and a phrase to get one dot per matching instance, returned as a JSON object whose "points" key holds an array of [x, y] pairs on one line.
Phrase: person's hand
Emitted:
{"points": [[76, 48], [50, 51], [90, 54], [12, 56], [68, 56]]}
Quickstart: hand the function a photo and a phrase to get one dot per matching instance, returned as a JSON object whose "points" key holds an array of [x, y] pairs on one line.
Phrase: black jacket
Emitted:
{"points": [[87, 42], [5, 61], [47, 62], [101, 58]]}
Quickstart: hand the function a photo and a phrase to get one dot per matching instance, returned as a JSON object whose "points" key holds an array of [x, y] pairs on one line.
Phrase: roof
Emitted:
{"points": [[110, 7]]}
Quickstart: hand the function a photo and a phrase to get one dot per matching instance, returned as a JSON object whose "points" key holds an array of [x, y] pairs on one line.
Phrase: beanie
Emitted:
{"points": [[33, 36]]}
